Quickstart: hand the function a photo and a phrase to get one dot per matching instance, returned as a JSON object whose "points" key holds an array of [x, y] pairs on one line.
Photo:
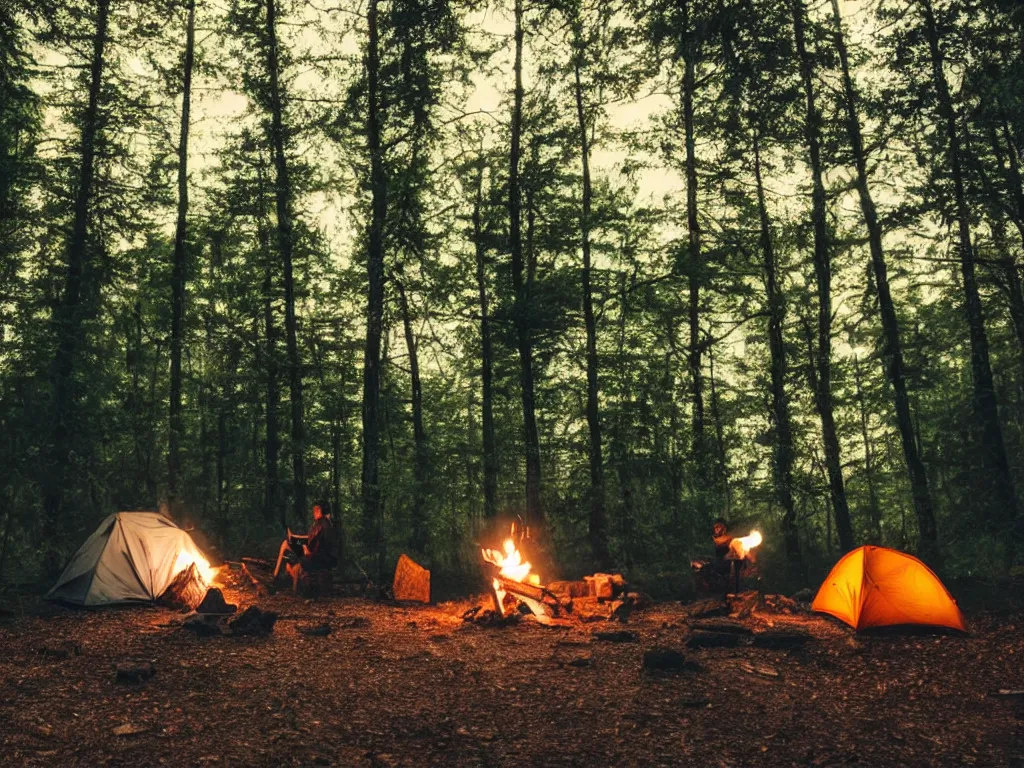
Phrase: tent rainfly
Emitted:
{"points": [[132, 557], [880, 587]]}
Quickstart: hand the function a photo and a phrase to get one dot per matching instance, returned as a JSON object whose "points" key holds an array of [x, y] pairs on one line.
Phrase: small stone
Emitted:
{"points": [[713, 640], [619, 636], [214, 603], [202, 624], [780, 640], [253, 621], [666, 660], [134, 671]]}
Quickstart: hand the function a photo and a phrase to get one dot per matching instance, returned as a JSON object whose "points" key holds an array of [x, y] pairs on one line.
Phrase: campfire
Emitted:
{"points": [[202, 566], [514, 582], [193, 580], [601, 596]]}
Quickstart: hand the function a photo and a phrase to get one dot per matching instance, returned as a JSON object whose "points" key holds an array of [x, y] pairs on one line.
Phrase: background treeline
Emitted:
{"points": [[617, 267]]}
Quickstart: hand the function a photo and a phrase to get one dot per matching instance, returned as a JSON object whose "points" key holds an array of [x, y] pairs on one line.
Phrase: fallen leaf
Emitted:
{"points": [[129, 729]]}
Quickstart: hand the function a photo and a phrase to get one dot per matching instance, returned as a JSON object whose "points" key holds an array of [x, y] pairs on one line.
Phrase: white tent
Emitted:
{"points": [[131, 557]]}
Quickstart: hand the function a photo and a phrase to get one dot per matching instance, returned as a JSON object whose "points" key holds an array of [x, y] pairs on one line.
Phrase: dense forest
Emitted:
{"points": [[618, 268]]}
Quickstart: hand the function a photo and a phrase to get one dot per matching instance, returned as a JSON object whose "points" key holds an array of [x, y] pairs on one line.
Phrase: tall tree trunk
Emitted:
{"points": [[534, 511], [336, 486], [783, 437], [272, 493], [222, 450], [723, 459], [285, 234], [622, 451], [136, 397], [1010, 268], [372, 510], [598, 518], [67, 314], [421, 469], [892, 350], [1003, 505], [1012, 287], [822, 378], [486, 356], [1012, 173], [869, 458], [695, 259], [175, 427]]}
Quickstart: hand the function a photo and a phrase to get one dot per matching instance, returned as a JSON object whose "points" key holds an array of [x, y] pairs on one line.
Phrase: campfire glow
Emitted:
{"points": [[510, 563], [185, 559], [740, 547], [513, 570]]}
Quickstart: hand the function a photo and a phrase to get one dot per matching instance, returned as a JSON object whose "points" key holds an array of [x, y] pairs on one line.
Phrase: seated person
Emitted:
{"points": [[314, 551], [722, 538], [723, 563]]}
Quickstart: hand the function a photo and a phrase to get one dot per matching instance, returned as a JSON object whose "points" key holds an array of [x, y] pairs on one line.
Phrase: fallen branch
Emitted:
{"points": [[261, 589]]}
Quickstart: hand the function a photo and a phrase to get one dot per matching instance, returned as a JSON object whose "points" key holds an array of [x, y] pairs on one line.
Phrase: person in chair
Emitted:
{"points": [[314, 551]]}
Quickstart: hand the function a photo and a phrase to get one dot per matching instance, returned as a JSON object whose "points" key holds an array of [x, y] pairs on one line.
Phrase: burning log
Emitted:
{"points": [[485, 617], [539, 600], [599, 597], [187, 589]]}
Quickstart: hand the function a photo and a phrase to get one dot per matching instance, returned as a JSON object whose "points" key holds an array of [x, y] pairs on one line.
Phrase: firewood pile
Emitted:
{"points": [[600, 597], [743, 605], [738, 620]]}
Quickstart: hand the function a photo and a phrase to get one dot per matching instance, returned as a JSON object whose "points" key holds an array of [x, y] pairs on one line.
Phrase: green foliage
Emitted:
{"points": [[445, 103]]}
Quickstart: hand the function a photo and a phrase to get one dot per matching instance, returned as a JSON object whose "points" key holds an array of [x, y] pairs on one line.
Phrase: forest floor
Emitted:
{"points": [[396, 685]]}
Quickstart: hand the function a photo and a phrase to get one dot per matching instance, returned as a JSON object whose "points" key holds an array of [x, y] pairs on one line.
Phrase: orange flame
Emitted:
{"points": [[740, 547], [185, 559], [510, 562]]}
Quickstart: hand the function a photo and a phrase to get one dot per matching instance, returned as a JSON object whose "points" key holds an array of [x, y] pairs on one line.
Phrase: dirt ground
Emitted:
{"points": [[417, 686]]}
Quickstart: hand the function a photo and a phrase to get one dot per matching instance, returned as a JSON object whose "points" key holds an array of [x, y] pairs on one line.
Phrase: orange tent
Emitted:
{"points": [[879, 587]]}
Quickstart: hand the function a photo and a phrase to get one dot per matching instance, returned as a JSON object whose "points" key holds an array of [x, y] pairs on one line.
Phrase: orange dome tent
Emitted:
{"points": [[879, 587]]}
